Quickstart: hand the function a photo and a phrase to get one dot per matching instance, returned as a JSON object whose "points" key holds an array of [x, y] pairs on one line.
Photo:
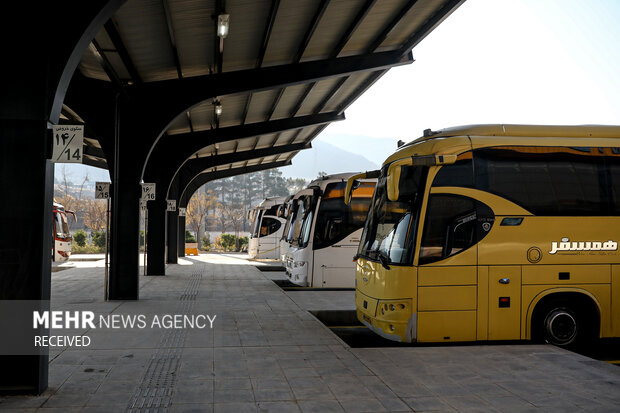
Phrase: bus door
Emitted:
{"points": [[268, 237], [448, 273], [337, 268]]}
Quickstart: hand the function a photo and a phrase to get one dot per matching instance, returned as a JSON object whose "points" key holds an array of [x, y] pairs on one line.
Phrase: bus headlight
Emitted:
{"points": [[298, 264], [396, 310]]}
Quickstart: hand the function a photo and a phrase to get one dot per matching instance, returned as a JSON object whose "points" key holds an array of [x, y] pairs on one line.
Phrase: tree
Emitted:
{"points": [[235, 215], [95, 213], [197, 210], [294, 185]]}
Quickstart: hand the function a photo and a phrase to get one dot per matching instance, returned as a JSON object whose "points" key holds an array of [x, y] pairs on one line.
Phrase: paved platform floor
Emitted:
{"points": [[266, 353]]}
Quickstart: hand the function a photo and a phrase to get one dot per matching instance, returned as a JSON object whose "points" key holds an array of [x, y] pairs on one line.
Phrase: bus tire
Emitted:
{"points": [[566, 323]]}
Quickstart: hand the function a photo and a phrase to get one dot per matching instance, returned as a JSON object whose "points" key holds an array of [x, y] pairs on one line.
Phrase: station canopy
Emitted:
{"points": [[337, 49]]}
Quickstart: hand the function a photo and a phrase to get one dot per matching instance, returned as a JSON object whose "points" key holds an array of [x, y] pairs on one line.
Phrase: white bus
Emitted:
{"points": [[267, 228], [61, 251], [324, 232]]}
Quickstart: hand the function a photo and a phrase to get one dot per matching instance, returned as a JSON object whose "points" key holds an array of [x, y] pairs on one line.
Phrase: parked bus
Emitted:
{"points": [[495, 232], [267, 228], [286, 212], [325, 232], [61, 250]]}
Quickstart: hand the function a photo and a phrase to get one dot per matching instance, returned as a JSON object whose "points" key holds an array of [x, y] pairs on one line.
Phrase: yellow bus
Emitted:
{"points": [[495, 232]]}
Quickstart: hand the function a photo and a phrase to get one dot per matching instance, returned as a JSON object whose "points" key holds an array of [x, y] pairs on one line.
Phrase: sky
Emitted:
{"points": [[491, 61]]}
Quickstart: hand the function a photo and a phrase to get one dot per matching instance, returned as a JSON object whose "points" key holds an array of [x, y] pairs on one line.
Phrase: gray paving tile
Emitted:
{"points": [[233, 395], [235, 407], [190, 408], [360, 405], [394, 404], [110, 407], [266, 354], [321, 392], [265, 383], [67, 400], [273, 395], [428, 404], [16, 402], [237, 383], [278, 407], [320, 406]]}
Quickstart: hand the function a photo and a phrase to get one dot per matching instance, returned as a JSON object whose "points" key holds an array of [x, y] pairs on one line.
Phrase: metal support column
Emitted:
{"points": [[125, 219], [172, 235], [27, 188], [156, 238], [181, 250]]}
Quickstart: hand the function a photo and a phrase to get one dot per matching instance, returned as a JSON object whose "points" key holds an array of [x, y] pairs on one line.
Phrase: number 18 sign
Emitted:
{"points": [[67, 143]]}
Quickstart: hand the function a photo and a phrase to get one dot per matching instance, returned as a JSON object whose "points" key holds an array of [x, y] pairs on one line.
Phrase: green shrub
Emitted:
{"points": [[228, 241], [86, 249], [99, 239], [189, 237], [243, 243], [80, 237]]}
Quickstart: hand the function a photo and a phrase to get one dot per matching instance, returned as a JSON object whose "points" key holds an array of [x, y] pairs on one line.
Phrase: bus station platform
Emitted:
{"points": [[267, 353]]}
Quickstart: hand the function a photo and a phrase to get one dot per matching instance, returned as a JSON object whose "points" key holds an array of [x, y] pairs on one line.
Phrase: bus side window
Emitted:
{"points": [[451, 226]]}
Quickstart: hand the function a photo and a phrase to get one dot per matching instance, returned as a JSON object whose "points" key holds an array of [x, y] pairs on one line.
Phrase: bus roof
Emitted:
{"points": [[271, 201], [461, 138], [322, 181]]}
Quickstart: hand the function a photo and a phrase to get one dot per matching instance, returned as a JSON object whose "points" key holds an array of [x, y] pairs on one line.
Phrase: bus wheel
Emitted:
{"points": [[561, 327], [569, 323]]}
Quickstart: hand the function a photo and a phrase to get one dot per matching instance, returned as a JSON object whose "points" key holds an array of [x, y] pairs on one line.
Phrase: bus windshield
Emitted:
{"points": [[62, 228], [302, 215], [335, 220], [389, 234], [256, 223]]}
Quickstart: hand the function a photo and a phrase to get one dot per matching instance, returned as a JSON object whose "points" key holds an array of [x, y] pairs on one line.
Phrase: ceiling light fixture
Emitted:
{"points": [[223, 24]]}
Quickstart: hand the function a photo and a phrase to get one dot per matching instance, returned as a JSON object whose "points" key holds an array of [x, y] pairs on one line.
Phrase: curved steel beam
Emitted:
{"points": [[189, 188], [173, 150]]}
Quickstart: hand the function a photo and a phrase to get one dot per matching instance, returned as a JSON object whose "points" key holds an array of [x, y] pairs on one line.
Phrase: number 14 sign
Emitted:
{"points": [[67, 143]]}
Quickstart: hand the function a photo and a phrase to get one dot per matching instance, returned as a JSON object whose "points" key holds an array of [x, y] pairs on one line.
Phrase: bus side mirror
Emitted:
{"points": [[395, 170], [393, 178], [351, 184]]}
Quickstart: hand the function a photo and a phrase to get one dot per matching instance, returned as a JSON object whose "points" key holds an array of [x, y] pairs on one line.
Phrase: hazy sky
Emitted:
{"points": [[508, 61]]}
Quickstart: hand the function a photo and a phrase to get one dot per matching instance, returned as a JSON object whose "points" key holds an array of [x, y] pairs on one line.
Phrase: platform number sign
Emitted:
{"points": [[182, 212], [148, 192], [171, 205], [102, 190], [67, 142]]}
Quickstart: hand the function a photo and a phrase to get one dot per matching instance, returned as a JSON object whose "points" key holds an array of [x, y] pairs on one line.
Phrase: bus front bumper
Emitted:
{"points": [[391, 319]]}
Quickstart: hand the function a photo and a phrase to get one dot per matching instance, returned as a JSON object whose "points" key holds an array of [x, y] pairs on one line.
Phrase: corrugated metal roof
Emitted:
{"points": [[170, 39]]}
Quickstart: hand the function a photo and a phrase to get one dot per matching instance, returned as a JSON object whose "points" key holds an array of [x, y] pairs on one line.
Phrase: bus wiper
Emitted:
{"points": [[384, 259]]}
